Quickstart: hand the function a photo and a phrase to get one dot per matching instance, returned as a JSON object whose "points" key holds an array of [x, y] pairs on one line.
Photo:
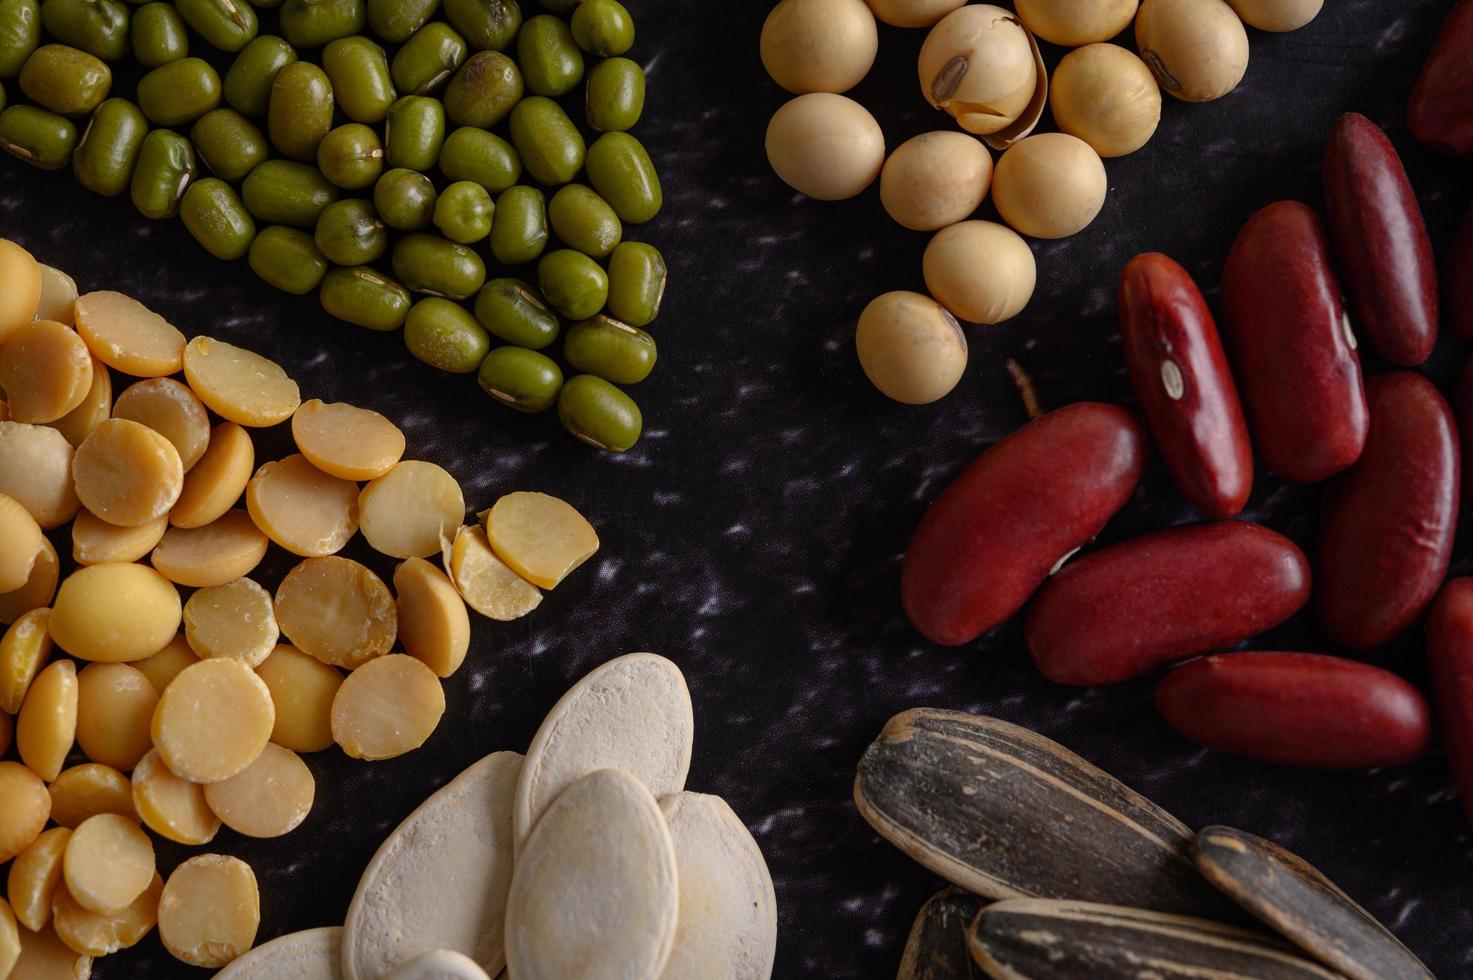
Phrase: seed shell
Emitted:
{"points": [[1041, 938], [604, 836], [937, 947], [440, 879], [633, 713], [727, 925], [312, 954], [1006, 813], [1295, 899]]}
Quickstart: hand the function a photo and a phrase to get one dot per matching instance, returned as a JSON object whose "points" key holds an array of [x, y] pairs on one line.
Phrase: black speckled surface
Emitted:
{"points": [[754, 535]]}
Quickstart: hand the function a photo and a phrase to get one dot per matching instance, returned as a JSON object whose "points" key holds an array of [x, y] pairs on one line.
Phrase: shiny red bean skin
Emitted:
{"points": [[1386, 528], [1381, 241], [1183, 384], [1291, 347], [1440, 113], [1297, 709], [1148, 602], [991, 537], [1459, 280], [1450, 657]]}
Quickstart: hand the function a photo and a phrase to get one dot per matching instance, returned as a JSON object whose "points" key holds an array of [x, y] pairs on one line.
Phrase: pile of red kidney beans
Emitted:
{"points": [[1291, 376]]}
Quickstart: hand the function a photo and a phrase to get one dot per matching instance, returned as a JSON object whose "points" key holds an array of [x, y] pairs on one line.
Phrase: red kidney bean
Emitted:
{"points": [[1386, 528], [1440, 114], [1292, 350], [1182, 381], [1298, 709], [1381, 241], [1450, 655], [1144, 603], [995, 532], [1459, 281]]}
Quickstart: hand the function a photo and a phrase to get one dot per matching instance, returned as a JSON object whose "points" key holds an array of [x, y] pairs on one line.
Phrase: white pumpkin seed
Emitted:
{"points": [[439, 964], [727, 927], [313, 954], [632, 713], [594, 894], [439, 881]]}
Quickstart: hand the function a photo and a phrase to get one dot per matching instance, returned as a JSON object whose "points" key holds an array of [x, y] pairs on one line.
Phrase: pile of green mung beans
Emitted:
{"points": [[379, 173]]}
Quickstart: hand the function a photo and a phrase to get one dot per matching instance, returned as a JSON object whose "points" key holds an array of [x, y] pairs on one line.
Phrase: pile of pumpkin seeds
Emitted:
{"points": [[1060, 870], [593, 827]]}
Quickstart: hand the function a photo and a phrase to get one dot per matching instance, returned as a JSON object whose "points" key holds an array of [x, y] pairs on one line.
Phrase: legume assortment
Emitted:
{"points": [[453, 132], [185, 730], [981, 65]]}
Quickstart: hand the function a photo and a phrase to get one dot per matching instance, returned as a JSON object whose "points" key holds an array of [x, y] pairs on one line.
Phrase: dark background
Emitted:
{"points": [[754, 535]]}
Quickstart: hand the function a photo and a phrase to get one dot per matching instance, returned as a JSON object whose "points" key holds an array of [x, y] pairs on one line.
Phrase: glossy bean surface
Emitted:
{"points": [[991, 537], [1440, 113], [1384, 255], [1387, 524], [1150, 601], [1297, 709], [108, 150], [1292, 349], [1183, 384]]}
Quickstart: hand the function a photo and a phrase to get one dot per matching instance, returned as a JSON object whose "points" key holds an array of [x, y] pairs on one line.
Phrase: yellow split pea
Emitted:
{"points": [[169, 408], [164, 666], [433, 624], [45, 371], [484, 581], [24, 807], [345, 441], [96, 407], [39, 589], [47, 723], [234, 620], [172, 807], [301, 508], [269, 798], [213, 720], [210, 910], [20, 543], [36, 470], [539, 536], [23, 650], [128, 336], [302, 690], [216, 482], [238, 384], [337, 611], [127, 474], [95, 934], [115, 705], [33, 878], [58, 296], [20, 275], [115, 613], [85, 791], [411, 510], [109, 862], [96, 542], [219, 552], [387, 707]]}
